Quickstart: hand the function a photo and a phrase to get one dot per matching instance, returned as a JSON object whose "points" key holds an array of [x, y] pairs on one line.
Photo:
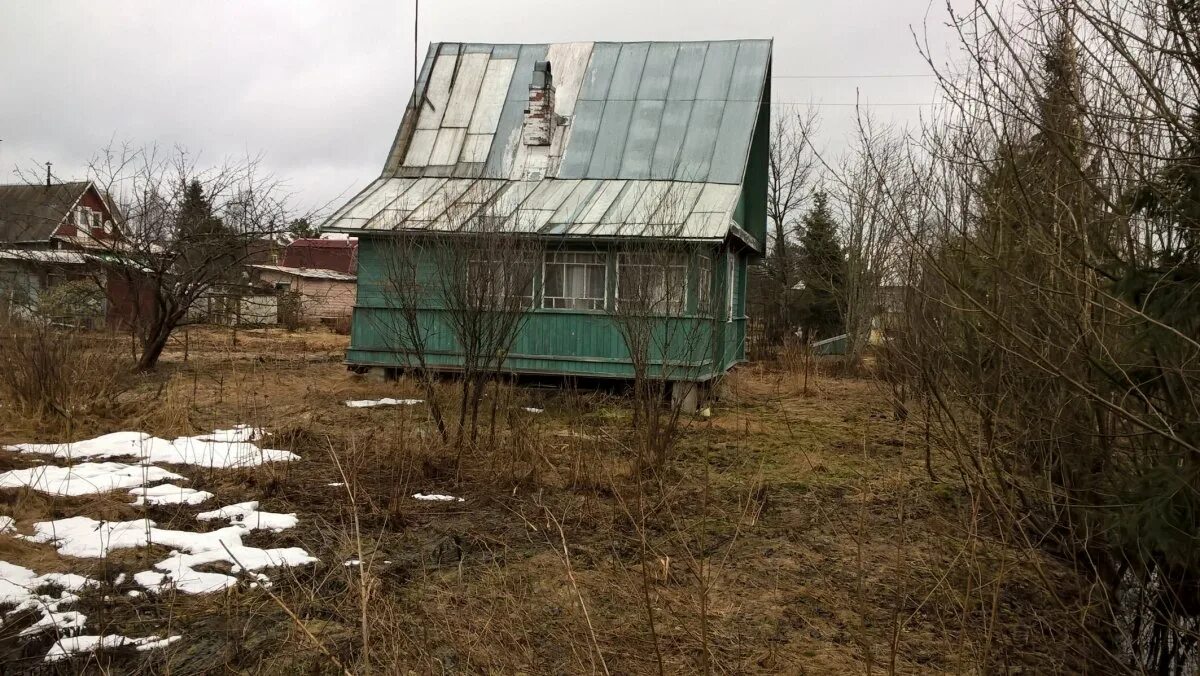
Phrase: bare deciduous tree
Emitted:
{"points": [[183, 232]]}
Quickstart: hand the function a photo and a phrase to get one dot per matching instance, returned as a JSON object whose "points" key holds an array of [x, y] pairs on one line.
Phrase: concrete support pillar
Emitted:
{"points": [[685, 395], [378, 374]]}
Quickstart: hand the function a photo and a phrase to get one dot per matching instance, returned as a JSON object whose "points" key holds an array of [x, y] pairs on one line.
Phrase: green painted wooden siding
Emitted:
{"points": [[552, 341]]}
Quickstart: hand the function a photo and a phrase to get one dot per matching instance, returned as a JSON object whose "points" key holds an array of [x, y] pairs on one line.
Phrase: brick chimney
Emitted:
{"points": [[539, 116]]}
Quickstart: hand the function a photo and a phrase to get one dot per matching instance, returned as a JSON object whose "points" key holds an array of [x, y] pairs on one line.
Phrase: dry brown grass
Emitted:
{"points": [[822, 545]]}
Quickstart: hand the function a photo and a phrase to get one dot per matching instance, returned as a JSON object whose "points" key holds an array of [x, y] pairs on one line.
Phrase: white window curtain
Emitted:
{"points": [[574, 280]]}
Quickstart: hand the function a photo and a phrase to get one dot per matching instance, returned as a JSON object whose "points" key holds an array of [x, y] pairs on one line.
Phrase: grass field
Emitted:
{"points": [[797, 530]]}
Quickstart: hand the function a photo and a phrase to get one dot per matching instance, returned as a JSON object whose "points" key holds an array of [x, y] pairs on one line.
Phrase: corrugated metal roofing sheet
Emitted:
{"points": [[634, 117]]}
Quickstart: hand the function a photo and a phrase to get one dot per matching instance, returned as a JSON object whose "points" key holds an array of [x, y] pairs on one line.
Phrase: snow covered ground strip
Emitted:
{"points": [[169, 494], [85, 478], [85, 537], [386, 401], [436, 497], [247, 513], [71, 645], [221, 448]]}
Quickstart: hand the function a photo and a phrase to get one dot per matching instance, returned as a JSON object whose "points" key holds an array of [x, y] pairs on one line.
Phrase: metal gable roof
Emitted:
{"points": [[640, 113]]}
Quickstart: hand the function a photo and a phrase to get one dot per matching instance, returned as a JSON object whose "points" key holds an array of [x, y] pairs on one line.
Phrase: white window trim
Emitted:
{"points": [[703, 284], [546, 263], [731, 282]]}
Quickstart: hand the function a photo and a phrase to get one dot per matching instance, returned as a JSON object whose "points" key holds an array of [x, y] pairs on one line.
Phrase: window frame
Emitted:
{"points": [[678, 307], [529, 300], [730, 282], [546, 302], [704, 279]]}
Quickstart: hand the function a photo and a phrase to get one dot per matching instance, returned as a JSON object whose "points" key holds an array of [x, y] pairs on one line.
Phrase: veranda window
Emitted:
{"points": [[704, 285], [492, 280], [655, 283], [574, 280]]}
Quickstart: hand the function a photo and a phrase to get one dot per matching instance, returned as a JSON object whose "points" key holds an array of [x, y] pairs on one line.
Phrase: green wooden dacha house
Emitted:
{"points": [[581, 140]]}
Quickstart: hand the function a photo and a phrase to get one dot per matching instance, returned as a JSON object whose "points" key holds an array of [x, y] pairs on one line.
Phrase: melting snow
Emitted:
{"points": [[85, 537], [386, 401], [535, 410], [222, 448], [85, 478], [71, 645], [7, 524], [334, 484], [352, 562], [68, 622], [247, 513], [18, 586], [169, 494], [435, 497]]}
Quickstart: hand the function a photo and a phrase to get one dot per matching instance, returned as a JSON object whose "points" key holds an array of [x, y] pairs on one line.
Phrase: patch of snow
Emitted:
{"points": [[133, 593], [531, 409], [169, 494], [6, 524], [334, 484], [239, 434], [352, 562], [247, 513], [67, 622], [222, 448], [72, 645], [179, 571], [19, 584], [386, 401], [435, 497], [81, 536], [120, 578], [85, 478]]}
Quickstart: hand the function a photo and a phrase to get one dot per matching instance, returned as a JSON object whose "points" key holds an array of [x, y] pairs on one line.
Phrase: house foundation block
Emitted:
{"points": [[378, 374], [685, 395]]}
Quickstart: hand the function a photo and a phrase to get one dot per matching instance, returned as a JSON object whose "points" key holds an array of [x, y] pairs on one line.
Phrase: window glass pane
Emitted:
{"points": [[574, 280]]}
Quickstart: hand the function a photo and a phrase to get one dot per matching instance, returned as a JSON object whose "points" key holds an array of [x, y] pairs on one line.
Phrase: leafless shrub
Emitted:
{"points": [[49, 370]]}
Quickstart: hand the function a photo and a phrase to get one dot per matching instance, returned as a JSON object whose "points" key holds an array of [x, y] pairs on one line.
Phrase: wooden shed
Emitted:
{"points": [[576, 147]]}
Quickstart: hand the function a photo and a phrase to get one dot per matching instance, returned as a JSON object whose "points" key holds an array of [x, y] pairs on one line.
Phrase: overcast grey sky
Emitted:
{"points": [[318, 88]]}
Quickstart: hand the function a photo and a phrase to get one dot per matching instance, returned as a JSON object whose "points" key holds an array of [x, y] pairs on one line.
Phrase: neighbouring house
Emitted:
{"points": [[315, 295], [577, 146], [340, 255], [52, 240]]}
